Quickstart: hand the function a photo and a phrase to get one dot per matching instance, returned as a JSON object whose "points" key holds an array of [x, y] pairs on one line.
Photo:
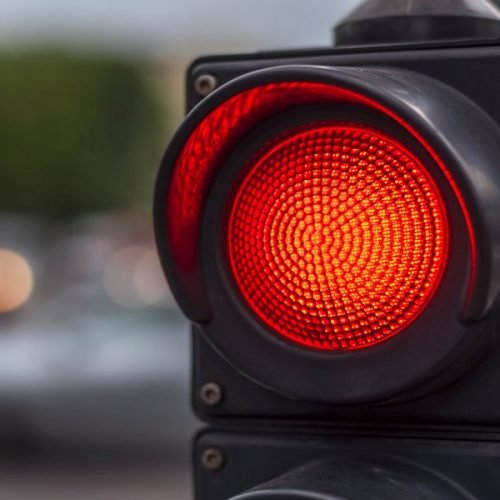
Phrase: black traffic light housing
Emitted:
{"points": [[442, 64], [287, 463], [415, 409]]}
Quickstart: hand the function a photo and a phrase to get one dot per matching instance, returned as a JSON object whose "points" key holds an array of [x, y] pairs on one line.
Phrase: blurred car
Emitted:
{"points": [[115, 381]]}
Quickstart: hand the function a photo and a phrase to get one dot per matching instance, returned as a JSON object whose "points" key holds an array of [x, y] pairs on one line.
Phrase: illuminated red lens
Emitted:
{"points": [[337, 237]]}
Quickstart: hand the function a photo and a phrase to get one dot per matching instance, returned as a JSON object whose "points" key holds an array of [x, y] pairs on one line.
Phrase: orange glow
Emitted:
{"points": [[337, 237], [16, 281]]}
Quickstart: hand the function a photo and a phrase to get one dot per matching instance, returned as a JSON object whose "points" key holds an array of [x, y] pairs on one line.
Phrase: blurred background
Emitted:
{"points": [[94, 355]]}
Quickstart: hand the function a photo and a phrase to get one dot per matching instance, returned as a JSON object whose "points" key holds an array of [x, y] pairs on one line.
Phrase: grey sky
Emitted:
{"points": [[162, 26]]}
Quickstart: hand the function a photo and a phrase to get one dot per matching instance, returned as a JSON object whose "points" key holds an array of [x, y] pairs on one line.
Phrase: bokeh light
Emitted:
{"points": [[133, 278], [16, 280]]}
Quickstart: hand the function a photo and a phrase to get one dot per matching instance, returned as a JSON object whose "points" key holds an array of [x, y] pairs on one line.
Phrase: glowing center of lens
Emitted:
{"points": [[337, 237]]}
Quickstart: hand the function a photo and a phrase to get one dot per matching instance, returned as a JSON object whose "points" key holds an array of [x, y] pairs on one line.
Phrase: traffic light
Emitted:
{"points": [[329, 220]]}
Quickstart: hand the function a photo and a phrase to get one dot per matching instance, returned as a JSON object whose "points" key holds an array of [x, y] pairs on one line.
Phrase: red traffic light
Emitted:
{"points": [[328, 220], [283, 255], [337, 236]]}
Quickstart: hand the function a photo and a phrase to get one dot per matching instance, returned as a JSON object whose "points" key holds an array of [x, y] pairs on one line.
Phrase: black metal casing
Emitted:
{"points": [[243, 397], [464, 406], [356, 466]]}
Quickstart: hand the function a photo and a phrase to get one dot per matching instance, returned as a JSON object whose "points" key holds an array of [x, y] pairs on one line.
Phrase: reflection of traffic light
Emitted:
{"points": [[330, 222]]}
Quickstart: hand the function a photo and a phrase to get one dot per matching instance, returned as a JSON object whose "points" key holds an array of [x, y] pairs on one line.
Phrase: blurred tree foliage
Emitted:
{"points": [[77, 134]]}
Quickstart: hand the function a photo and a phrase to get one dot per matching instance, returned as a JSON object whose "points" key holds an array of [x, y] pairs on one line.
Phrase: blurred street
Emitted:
{"points": [[94, 354], [93, 405], [57, 481]]}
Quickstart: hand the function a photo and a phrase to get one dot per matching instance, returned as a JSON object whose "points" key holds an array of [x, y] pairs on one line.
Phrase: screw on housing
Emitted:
{"points": [[205, 84], [213, 459], [211, 394]]}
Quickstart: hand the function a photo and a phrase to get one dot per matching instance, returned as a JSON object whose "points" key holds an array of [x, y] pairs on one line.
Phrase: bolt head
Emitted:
{"points": [[213, 458], [205, 84], [211, 394]]}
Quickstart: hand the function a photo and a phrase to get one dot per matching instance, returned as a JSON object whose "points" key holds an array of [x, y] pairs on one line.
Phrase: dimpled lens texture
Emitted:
{"points": [[337, 237]]}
